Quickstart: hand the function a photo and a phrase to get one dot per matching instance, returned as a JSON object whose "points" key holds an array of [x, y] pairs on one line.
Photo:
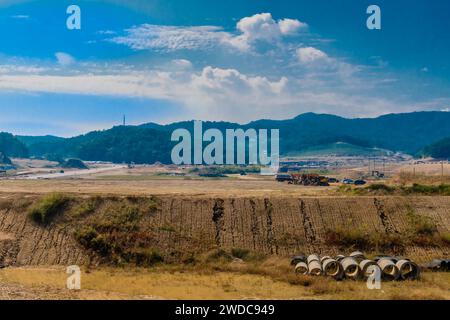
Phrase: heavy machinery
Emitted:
{"points": [[310, 180]]}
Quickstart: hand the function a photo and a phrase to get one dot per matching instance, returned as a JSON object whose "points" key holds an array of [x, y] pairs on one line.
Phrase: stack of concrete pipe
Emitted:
{"points": [[314, 265], [356, 266], [332, 268]]}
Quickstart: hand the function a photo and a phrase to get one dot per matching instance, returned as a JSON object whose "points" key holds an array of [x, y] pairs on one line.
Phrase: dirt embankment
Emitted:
{"points": [[145, 230], [23, 242]]}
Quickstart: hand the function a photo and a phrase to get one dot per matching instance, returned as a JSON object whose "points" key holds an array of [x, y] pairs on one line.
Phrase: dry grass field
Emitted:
{"points": [[236, 282], [170, 187]]}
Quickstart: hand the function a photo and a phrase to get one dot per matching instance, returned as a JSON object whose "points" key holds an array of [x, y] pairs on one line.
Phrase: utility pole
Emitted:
{"points": [[442, 171], [124, 120]]}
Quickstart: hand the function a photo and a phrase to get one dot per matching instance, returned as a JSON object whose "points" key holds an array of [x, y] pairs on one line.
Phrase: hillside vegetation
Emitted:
{"points": [[149, 143], [10, 146], [438, 150]]}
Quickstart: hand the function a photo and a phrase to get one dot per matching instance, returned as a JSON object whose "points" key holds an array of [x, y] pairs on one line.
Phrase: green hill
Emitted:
{"points": [[10, 146], [74, 164], [409, 133], [438, 150], [119, 144]]}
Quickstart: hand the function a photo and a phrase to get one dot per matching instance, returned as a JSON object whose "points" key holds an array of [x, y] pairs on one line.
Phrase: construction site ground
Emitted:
{"points": [[273, 219]]}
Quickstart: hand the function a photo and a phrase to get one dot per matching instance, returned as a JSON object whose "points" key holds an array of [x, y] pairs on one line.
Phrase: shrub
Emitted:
{"points": [[47, 207], [247, 255], [240, 253], [145, 256], [91, 239], [358, 239], [219, 256], [384, 242], [420, 225], [380, 187], [347, 238], [445, 238], [87, 207], [442, 189], [115, 234]]}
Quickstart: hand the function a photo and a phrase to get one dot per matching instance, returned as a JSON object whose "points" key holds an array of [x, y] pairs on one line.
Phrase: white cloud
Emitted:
{"points": [[259, 27], [182, 64], [64, 59], [310, 54], [291, 26], [106, 32], [21, 16], [226, 83], [171, 38], [213, 93], [263, 27], [20, 69]]}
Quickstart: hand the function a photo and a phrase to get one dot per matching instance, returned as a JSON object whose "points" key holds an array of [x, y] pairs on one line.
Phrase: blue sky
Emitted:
{"points": [[163, 61]]}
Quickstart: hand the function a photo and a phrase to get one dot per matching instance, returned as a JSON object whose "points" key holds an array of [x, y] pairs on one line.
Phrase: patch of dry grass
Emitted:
{"points": [[408, 178], [175, 283]]}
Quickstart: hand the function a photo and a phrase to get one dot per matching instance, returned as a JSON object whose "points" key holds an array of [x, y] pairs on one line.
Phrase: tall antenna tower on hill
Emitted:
{"points": [[124, 121]]}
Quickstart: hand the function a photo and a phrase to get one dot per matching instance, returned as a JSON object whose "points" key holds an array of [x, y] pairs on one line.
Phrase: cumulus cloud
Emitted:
{"points": [[310, 54], [291, 26], [259, 27], [263, 27], [231, 80], [64, 59]]}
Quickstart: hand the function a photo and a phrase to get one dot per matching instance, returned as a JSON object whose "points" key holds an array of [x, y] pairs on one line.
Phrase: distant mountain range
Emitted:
{"points": [[412, 133]]}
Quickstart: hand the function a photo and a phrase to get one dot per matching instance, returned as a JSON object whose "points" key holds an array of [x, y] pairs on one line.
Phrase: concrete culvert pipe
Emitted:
{"points": [[350, 267], [436, 265], [408, 270], [339, 257], [313, 257], [315, 269], [389, 270], [358, 256], [324, 258], [364, 265], [301, 268], [297, 259], [333, 269]]}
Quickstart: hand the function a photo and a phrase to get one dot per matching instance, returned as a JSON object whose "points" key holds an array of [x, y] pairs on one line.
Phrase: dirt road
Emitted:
{"points": [[71, 173]]}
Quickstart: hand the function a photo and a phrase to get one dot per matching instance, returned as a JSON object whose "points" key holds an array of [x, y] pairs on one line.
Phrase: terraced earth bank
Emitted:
{"points": [[147, 230]]}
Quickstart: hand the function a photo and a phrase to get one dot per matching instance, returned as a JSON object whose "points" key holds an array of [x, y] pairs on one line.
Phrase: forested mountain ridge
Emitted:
{"points": [[148, 143]]}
